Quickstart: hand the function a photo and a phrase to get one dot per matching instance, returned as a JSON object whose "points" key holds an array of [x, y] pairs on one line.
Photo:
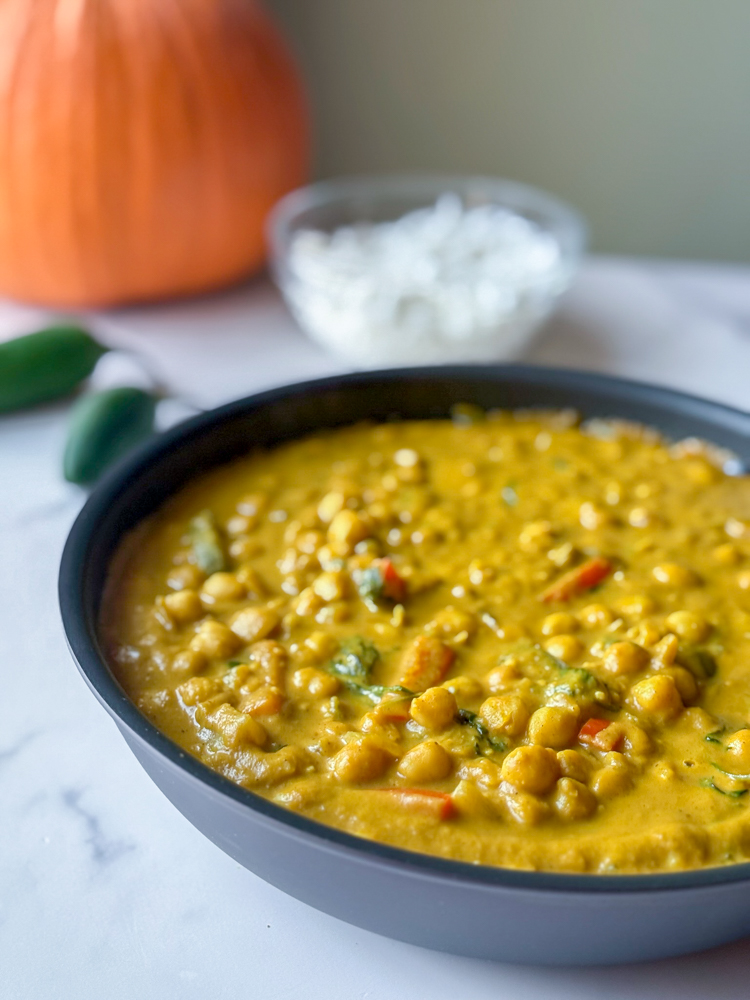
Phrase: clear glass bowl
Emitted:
{"points": [[427, 289]]}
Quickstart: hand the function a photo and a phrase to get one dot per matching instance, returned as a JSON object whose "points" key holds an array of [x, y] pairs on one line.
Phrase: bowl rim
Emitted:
{"points": [[81, 632], [281, 219]]}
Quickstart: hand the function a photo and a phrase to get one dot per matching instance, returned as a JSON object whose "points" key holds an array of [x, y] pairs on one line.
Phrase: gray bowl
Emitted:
{"points": [[516, 916]]}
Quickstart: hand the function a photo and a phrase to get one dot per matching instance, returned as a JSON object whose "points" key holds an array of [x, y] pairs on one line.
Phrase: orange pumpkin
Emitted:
{"points": [[142, 143]]}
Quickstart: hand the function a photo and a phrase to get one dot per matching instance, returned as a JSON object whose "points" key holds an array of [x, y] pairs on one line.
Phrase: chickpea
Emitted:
{"points": [[331, 736], [464, 688], [188, 662], [595, 616], [330, 586], [572, 800], [308, 603], [264, 700], [309, 542], [239, 525], [345, 530], [593, 517], [223, 587], [270, 658], [573, 765], [637, 741], [639, 517], [531, 769], [425, 763], [699, 720], [608, 782], [536, 536], [674, 575], [450, 622], [666, 650], [252, 624], [525, 808], [553, 726], [559, 623], [186, 575], [409, 466], [470, 801], [333, 613], [360, 760], [372, 722], [738, 750], [736, 529], [562, 556], [198, 689], [479, 572], [657, 695], [315, 683], [407, 458], [727, 554], [504, 713], [321, 645], [700, 472], [243, 548], [689, 626], [237, 728], [184, 606], [483, 771], [330, 505], [636, 606], [504, 676], [252, 504], [238, 677], [214, 639], [251, 581], [625, 658], [685, 681], [435, 709], [662, 770], [644, 633], [564, 647], [510, 631]]}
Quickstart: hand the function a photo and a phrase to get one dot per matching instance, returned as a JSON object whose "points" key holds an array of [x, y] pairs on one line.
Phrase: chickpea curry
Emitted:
{"points": [[510, 639]]}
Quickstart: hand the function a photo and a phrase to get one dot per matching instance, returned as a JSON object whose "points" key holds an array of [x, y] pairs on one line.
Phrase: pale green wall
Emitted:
{"points": [[638, 111]]}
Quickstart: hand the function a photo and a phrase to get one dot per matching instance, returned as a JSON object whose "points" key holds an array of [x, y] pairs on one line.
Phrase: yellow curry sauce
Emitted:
{"points": [[509, 640]]}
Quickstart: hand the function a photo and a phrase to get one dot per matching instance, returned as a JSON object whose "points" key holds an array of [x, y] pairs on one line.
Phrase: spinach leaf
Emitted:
{"points": [[576, 682], [709, 783], [467, 718], [370, 583], [467, 414], [376, 692], [698, 661], [208, 550], [355, 659], [731, 774], [509, 495], [714, 736]]}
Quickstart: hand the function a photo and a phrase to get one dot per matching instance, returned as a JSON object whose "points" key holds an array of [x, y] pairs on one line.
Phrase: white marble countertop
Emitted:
{"points": [[105, 890]]}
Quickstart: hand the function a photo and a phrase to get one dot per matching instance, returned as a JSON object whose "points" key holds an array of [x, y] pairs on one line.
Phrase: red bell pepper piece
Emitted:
{"points": [[393, 710], [394, 585], [591, 729], [438, 805], [425, 663], [583, 577]]}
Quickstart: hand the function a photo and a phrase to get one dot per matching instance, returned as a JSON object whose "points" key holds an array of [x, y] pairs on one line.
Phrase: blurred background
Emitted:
{"points": [[637, 112]]}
